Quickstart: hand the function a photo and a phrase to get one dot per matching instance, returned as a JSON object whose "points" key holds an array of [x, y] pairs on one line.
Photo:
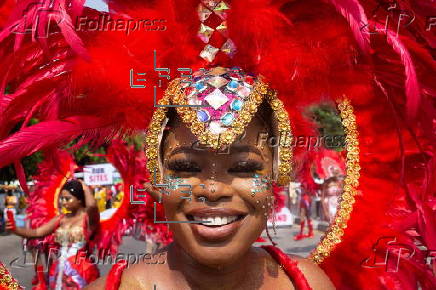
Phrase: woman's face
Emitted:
{"points": [[231, 190], [69, 201]]}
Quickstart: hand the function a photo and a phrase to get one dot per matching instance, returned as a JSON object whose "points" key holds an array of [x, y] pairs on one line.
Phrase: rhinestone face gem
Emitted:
{"points": [[227, 119], [203, 116], [208, 53], [236, 105], [216, 99], [217, 82]]}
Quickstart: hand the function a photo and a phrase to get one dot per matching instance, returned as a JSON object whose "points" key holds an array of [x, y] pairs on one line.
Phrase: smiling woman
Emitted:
{"points": [[225, 210]]}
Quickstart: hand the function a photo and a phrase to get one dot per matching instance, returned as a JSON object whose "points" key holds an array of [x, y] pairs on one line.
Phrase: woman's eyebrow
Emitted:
{"points": [[246, 148], [182, 149]]}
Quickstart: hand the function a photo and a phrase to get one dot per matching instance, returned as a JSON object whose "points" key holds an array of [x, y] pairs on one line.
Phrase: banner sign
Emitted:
{"points": [[98, 174], [283, 218]]}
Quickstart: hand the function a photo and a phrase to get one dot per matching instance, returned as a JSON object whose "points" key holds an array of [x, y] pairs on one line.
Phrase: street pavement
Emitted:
{"points": [[11, 250]]}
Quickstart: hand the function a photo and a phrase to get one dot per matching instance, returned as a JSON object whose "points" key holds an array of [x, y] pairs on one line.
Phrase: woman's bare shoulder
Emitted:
{"points": [[315, 276], [100, 283]]}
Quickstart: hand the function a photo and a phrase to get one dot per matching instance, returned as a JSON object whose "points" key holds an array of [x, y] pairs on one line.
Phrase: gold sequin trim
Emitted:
{"points": [[336, 231], [6, 279], [174, 95]]}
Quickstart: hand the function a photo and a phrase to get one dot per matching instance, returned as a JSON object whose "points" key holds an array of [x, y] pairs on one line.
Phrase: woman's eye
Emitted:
{"points": [[183, 166], [248, 166]]}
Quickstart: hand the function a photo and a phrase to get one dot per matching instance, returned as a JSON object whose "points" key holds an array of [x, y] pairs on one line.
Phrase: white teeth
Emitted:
{"points": [[216, 221]]}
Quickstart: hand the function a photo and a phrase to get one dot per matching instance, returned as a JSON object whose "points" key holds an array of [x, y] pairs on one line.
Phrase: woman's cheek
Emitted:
{"points": [[255, 191]]}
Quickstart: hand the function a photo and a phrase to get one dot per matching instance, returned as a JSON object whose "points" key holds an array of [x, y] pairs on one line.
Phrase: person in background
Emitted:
{"points": [[305, 211], [332, 189], [109, 194], [73, 230], [100, 196], [10, 203], [119, 195]]}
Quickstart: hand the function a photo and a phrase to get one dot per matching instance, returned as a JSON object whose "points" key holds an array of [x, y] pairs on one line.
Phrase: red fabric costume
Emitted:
{"points": [[297, 278]]}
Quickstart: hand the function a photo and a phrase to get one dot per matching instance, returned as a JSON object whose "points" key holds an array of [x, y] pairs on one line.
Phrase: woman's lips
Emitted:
{"points": [[216, 233], [223, 223]]}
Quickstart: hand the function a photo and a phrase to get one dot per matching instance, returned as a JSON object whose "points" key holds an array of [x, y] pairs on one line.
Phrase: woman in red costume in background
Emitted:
{"points": [[245, 67], [72, 231], [305, 210]]}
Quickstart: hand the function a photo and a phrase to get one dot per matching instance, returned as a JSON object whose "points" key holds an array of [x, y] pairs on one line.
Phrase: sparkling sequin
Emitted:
{"points": [[203, 116], [200, 86], [203, 12], [217, 71], [221, 9], [236, 105], [210, 3], [222, 28], [233, 85], [229, 48], [205, 33], [217, 81], [243, 91], [216, 128], [216, 99], [208, 53], [227, 119]]}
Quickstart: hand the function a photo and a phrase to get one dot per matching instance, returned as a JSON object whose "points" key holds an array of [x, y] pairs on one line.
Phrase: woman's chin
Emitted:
{"points": [[217, 257]]}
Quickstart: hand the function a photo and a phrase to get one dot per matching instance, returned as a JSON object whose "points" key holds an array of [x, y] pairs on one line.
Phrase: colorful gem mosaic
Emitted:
{"points": [[221, 93], [226, 99], [336, 231], [213, 29]]}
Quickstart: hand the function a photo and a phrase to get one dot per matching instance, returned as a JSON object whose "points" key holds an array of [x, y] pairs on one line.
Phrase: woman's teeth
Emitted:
{"points": [[216, 221]]}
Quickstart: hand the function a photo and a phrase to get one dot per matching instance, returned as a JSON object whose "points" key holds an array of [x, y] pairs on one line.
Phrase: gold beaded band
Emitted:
{"points": [[6, 279], [174, 95], [351, 182]]}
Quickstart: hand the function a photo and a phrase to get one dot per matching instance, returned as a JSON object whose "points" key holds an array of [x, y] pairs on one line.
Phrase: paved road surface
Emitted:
{"points": [[10, 249]]}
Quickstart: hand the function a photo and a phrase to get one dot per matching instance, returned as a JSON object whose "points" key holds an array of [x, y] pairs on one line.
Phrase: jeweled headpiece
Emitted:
{"points": [[217, 105]]}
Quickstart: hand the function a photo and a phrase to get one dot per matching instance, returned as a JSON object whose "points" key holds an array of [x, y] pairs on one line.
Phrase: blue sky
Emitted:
{"points": [[97, 4]]}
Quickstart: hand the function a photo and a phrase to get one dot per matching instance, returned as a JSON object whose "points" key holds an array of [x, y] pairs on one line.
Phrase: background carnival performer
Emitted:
{"points": [[305, 213], [93, 86], [331, 192], [72, 231]]}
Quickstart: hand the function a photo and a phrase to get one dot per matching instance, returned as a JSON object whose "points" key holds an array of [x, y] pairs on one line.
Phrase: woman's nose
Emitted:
{"points": [[212, 190]]}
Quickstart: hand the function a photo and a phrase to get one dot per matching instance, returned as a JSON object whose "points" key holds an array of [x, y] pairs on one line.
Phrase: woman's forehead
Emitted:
{"points": [[66, 192], [180, 134]]}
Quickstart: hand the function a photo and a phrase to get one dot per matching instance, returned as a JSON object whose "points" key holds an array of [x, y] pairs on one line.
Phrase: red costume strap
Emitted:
{"points": [[290, 267], [113, 280]]}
